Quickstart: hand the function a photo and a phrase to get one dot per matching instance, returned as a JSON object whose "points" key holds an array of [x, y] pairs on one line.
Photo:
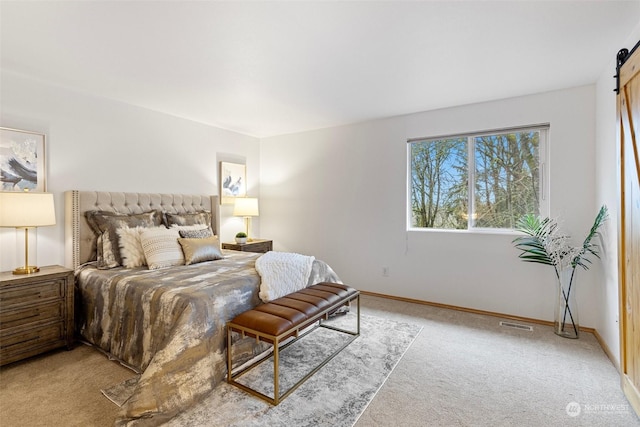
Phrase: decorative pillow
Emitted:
{"points": [[105, 224], [195, 234], [189, 227], [203, 217], [131, 250], [105, 252], [161, 247], [200, 249]]}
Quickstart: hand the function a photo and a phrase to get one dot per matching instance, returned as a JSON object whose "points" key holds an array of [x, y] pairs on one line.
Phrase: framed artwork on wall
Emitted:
{"points": [[233, 179], [22, 160]]}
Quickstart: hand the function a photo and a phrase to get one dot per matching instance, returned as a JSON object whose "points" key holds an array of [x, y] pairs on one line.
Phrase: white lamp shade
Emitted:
{"points": [[246, 206], [26, 209]]}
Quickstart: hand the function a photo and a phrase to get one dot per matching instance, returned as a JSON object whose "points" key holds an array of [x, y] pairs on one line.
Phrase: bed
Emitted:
{"points": [[166, 323]]}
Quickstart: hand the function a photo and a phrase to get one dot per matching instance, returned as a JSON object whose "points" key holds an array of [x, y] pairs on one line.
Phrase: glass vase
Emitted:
{"points": [[566, 314]]}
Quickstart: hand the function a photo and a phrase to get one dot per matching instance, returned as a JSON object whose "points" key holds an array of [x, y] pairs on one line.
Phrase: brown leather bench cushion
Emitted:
{"points": [[281, 315]]}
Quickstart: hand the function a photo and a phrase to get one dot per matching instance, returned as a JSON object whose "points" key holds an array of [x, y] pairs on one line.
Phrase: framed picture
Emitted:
{"points": [[233, 179], [22, 160]]}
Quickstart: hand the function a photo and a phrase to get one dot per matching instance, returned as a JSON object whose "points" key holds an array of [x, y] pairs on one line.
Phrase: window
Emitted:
{"points": [[477, 181]]}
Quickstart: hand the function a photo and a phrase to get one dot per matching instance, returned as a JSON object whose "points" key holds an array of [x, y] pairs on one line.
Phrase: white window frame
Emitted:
{"points": [[543, 175]]}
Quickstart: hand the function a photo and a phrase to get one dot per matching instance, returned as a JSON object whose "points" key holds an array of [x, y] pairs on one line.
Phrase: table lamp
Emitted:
{"points": [[25, 210], [246, 207]]}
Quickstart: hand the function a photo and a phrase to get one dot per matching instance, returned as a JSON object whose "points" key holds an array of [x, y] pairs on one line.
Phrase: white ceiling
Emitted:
{"points": [[268, 68]]}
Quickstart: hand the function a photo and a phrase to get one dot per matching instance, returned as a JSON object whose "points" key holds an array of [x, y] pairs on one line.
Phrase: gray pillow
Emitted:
{"points": [[105, 224], [195, 218], [196, 234]]}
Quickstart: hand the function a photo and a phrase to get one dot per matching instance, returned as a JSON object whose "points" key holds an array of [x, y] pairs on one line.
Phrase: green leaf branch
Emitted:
{"points": [[543, 243]]}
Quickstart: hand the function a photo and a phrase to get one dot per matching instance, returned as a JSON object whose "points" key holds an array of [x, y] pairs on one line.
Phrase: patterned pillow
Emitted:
{"points": [[105, 252], [105, 224], [161, 247], [195, 234], [203, 217], [200, 249], [131, 250]]}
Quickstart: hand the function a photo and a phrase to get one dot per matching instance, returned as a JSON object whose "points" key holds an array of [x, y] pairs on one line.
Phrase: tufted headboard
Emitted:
{"points": [[80, 240]]}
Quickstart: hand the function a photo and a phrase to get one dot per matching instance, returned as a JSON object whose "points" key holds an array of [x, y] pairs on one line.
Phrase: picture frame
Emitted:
{"points": [[233, 181], [22, 160]]}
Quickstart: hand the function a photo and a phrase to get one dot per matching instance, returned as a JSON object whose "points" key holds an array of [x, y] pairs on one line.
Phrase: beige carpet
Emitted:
{"points": [[465, 369], [61, 388], [462, 370]]}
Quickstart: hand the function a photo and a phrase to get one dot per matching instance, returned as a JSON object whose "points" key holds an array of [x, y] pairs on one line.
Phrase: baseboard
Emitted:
{"points": [[467, 310], [606, 350], [489, 313]]}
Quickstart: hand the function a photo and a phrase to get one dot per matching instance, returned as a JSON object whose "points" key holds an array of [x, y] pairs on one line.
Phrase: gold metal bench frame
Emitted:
{"points": [[276, 340]]}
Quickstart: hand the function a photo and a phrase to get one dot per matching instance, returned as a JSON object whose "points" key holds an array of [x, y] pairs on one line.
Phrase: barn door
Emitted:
{"points": [[629, 234]]}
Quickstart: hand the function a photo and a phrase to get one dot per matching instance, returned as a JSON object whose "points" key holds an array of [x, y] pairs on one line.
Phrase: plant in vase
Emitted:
{"points": [[241, 237], [545, 244]]}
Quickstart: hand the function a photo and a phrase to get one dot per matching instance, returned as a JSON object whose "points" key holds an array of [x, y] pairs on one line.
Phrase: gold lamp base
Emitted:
{"points": [[247, 221], [28, 269]]}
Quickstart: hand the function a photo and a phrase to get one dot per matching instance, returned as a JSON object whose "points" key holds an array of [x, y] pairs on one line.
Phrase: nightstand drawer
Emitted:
{"points": [[30, 341], [262, 247], [28, 294], [31, 314], [258, 245], [36, 312]]}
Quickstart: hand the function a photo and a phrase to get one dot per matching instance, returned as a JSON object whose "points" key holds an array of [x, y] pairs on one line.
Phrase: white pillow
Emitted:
{"points": [[161, 247], [130, 248]]}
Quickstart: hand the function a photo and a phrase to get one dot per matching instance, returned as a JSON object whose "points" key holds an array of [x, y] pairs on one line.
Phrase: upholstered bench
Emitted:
{"points": [[283, 318]]}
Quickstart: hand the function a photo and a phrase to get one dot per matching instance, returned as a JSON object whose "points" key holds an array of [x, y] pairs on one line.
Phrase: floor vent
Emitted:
{"points": [[516, 326]]}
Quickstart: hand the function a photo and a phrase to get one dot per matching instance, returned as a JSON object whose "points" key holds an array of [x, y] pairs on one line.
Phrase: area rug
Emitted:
{"points": [[336, 395]]}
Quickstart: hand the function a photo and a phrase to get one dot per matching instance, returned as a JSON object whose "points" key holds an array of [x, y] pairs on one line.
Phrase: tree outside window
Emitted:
{"points": [[481, 181]]}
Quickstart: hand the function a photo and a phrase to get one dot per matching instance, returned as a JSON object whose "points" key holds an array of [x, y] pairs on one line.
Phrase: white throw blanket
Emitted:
{"points": [[282, 273]]}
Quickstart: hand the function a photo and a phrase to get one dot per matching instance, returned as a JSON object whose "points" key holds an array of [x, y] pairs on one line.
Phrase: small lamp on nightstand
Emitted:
{"points": [[24, 211], [246, 207]]}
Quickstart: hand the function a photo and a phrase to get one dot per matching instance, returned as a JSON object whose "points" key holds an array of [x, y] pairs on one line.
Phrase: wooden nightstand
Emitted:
{"points": [[36, 312], [257, 245]]}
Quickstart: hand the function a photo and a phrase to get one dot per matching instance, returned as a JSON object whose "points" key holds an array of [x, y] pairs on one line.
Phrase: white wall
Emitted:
{"points": [[340, 194], [99, 144], [607, 192]]}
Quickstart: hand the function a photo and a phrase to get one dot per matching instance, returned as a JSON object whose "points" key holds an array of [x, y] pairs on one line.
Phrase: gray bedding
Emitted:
{"points": [[168, 325]]}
